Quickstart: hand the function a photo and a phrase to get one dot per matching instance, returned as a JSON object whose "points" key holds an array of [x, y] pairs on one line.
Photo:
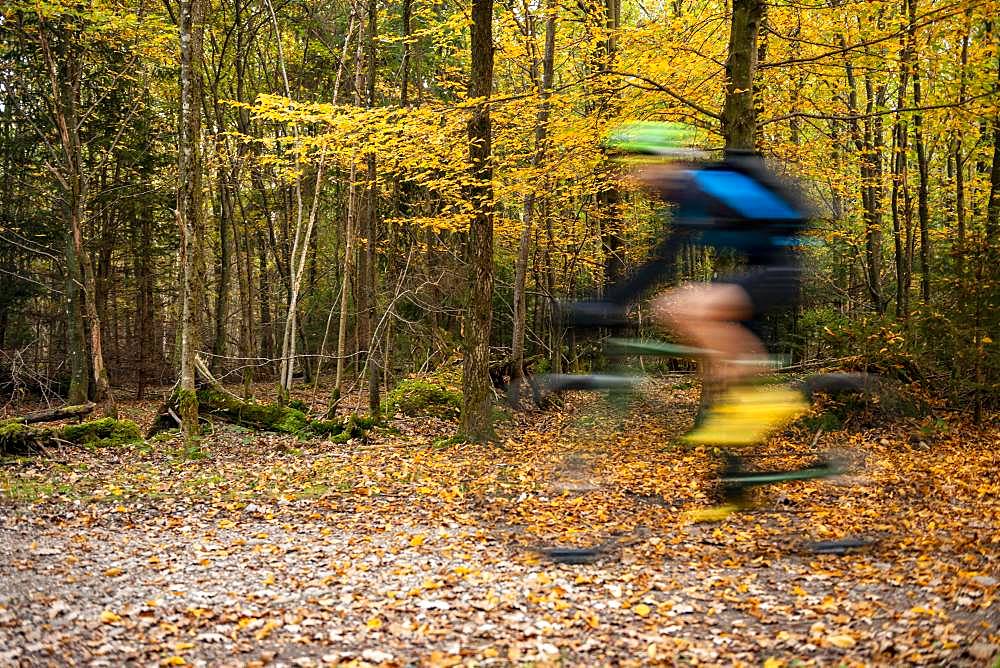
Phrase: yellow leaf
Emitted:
{"points": [[181, 646], [642, 609], [374, 623], [593, 621], [114, 571], [772, 662], [265, 630], [417, 540], [174, 661], [842, 641], [109, 617], [269, 580]]}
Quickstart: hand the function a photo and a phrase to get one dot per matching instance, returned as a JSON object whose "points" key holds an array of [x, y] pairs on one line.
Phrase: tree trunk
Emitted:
{"points": [[264, 293], [739, 116], [371, 224], [79, 380], [65, 75], [960, 171], [538, 159], [475, 419], [189, 214], [225, 264], [918, 137], [404, 65], [899, 166], [348, 266]]}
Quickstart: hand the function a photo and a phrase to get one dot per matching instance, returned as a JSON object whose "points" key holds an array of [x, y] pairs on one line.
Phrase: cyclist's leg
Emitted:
{"points": [[709, 316]]}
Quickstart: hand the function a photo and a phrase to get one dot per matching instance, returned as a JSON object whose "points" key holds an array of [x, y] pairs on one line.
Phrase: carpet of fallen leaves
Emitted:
{"points": [[400, 550]]}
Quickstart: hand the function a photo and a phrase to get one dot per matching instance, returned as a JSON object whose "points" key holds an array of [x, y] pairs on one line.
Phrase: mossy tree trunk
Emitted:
{"points": [[189, 214]]}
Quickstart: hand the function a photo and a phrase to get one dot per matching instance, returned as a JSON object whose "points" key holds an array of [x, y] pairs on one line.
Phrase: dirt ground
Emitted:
{"points": [[402, 550]]}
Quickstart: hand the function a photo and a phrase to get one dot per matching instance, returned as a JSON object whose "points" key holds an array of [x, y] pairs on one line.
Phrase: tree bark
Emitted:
{"points": [[899, 166], [739, 115], [371, 224], [189, 213], [225, 263], [475, 422], [960, 169], [923, 214], [61, 413], [538, 158]]}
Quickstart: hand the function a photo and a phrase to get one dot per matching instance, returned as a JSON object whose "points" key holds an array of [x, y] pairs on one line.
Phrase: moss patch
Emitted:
{"points": [[416, 397], [20, 438], [282, 419], [104, 432]]}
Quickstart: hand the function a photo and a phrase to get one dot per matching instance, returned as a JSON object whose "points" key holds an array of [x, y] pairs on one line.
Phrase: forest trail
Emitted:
{"points": [[264, 550]]}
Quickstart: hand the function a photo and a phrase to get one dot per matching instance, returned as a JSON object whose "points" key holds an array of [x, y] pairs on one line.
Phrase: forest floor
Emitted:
{"points": [[400, 550]]}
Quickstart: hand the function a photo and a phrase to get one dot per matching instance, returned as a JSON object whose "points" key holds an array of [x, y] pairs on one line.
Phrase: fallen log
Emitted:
{"points": [[53, 414], [216, 401], [17, 438]]}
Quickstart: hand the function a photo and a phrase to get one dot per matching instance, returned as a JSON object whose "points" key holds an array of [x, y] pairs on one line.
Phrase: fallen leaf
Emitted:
{"points": [[842, 641], [109, 617]]}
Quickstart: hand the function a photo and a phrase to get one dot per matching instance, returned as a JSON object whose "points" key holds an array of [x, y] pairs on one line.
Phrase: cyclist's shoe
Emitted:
{"points": [[746, 415]]}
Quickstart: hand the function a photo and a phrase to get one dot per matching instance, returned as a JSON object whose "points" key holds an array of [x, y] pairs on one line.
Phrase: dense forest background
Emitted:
{"points": [[354, 191]]}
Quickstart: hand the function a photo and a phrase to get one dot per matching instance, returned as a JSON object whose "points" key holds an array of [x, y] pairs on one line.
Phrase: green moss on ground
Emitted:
{"points": [[282, 419], [417, 397], [15, 437], [105, 432]]}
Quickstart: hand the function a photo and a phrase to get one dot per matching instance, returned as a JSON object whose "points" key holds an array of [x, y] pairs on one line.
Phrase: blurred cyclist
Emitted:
{"points": [[736, 203]]}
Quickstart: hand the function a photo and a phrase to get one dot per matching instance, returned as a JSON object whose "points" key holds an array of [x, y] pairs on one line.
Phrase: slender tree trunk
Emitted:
{"points": [[609, 196], [65, 77], [371, 224], [189, 213], [225, 265], [475, 418], [993, 210], [960, 169], [345, 291], [404, 65], [264, 295], [899, 166], [538, 159], [372, 336], [923, 214], [555, 325], [79, 380]]}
